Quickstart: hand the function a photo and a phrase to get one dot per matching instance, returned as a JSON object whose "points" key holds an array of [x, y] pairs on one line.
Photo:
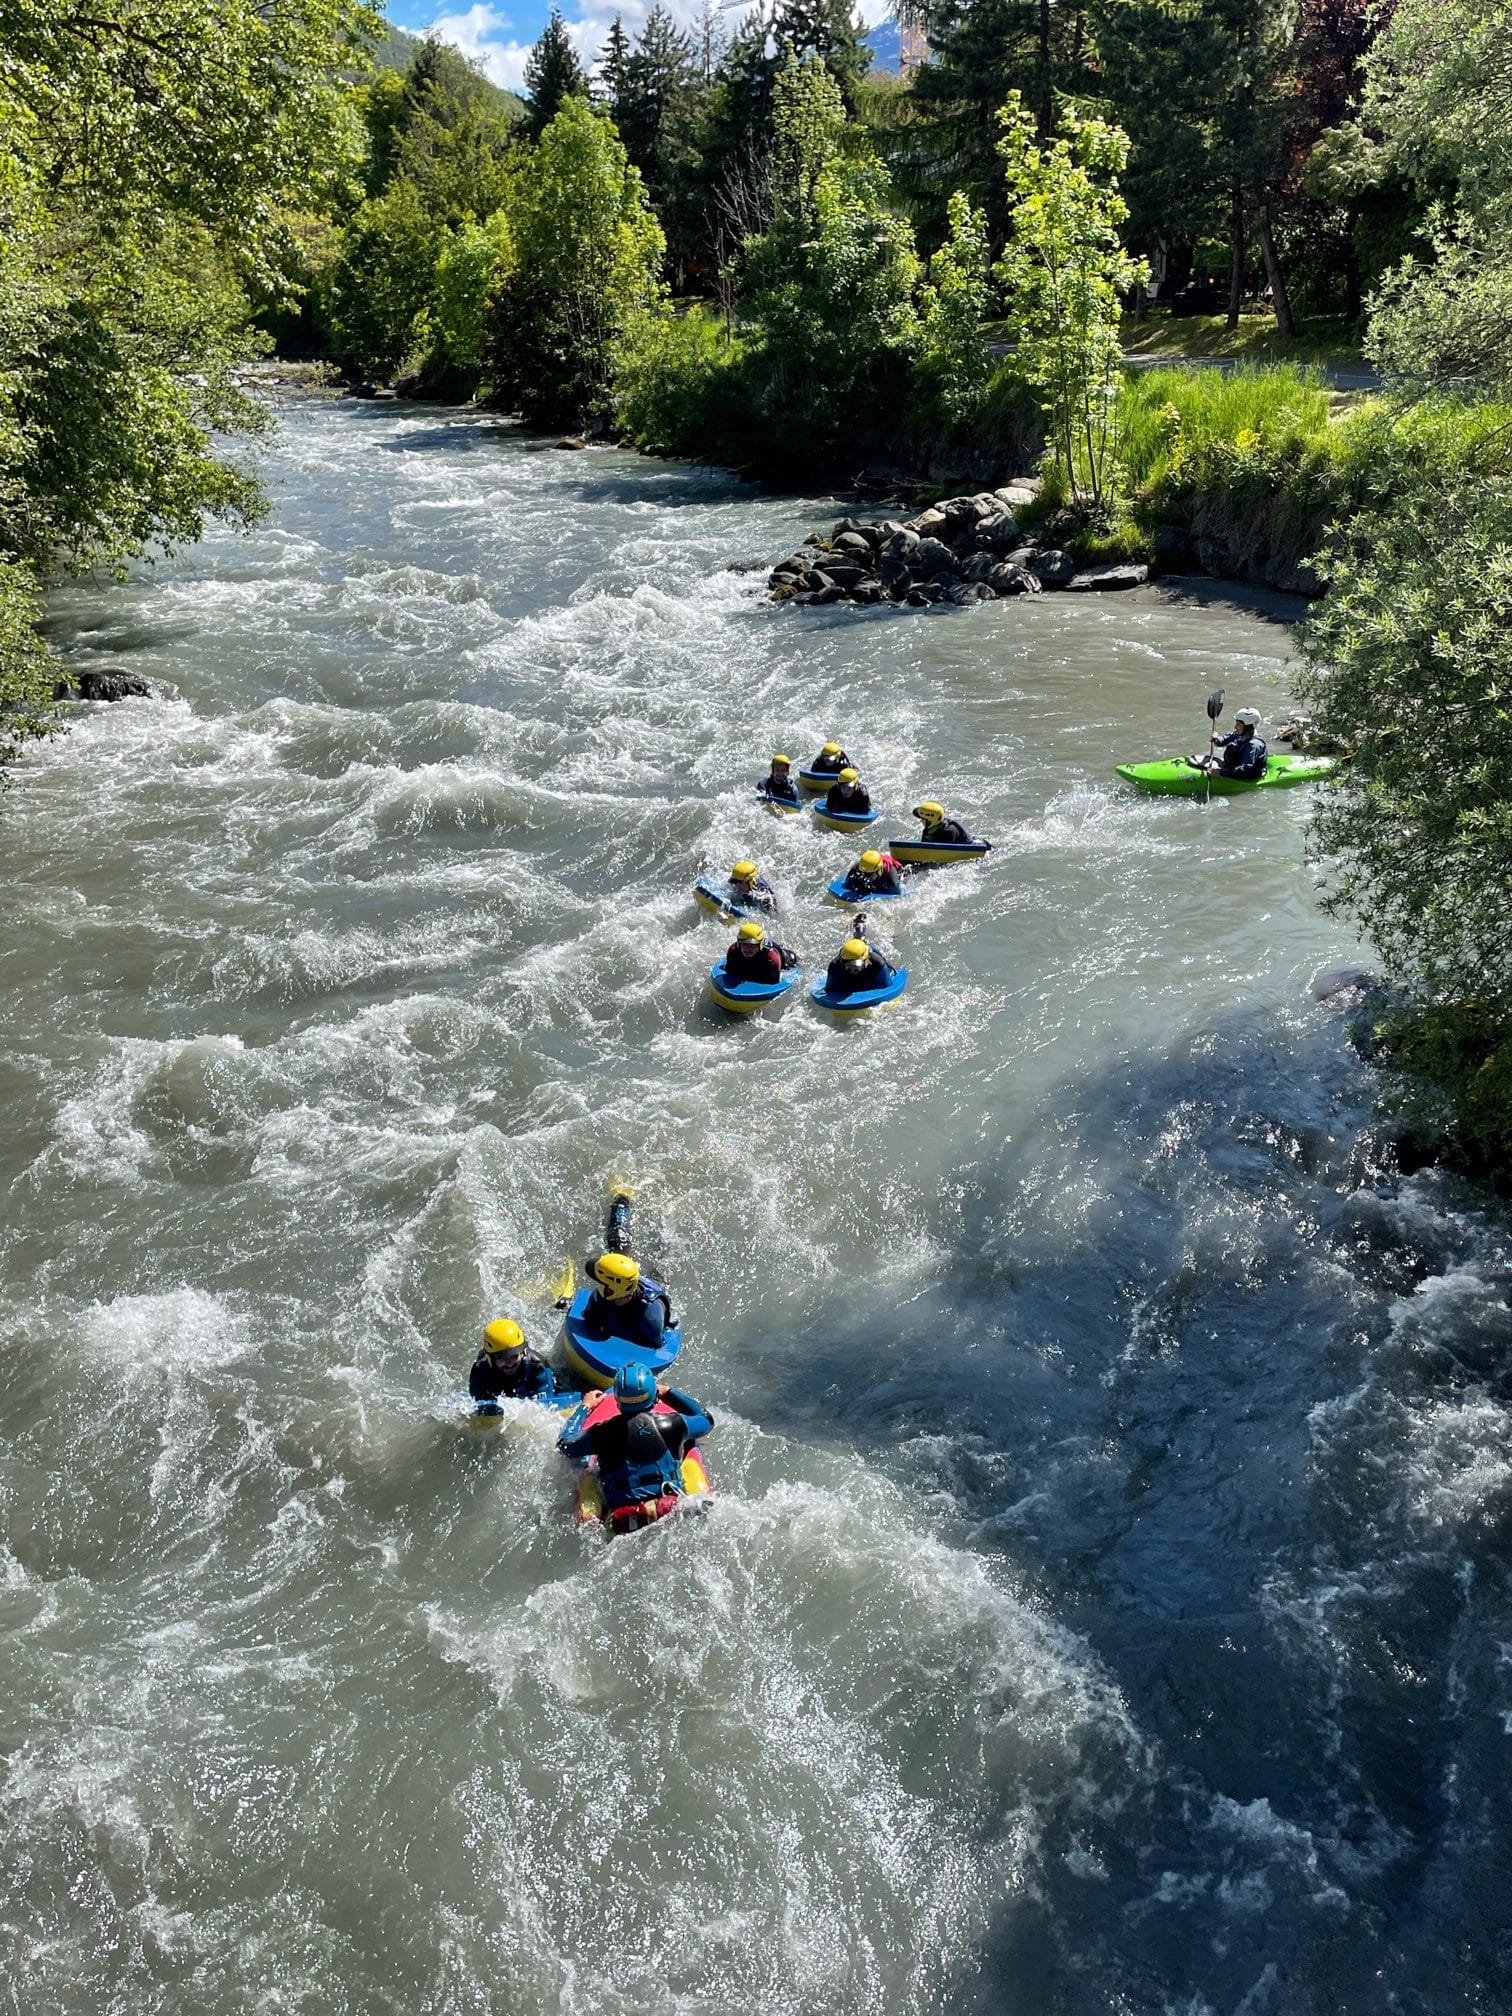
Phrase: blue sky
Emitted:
{"points": [[499, 38]]}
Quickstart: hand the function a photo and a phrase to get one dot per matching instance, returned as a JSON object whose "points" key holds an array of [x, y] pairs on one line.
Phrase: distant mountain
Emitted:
{"points": [[884, 45], [394, 49]]}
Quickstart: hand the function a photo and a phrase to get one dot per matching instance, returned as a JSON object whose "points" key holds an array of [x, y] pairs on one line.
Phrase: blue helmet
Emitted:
{"points": [[635, 1388]]}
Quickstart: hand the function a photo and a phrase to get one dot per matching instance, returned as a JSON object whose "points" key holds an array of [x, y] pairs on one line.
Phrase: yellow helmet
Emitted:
{"points": [[849, 776], [782, 759], [929, 810], [831, 749], [855, 949], [751, 933], [743, 871], [504, 1335], [871, 861], [617, 1274]]}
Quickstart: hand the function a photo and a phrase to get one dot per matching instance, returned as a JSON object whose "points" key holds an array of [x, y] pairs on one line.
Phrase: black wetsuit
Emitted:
{"points": [[785, 788], [843, 978], [948, 829], [640, 1455], [1244, 756], [529, 1378], [832, 765], [764, 963], [836, 800]]}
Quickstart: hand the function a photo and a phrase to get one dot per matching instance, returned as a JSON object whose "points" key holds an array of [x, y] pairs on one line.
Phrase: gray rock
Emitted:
{"points": [[826, 595], [927, 524], [932, 557], [849, 525], [572, 441], [846, 576], [853, 542], [1013, 495], [902, 543], [1053, 568], [865, 591], [1006, 580], [815, 581], [105, 683], [893, 573], [1297, 579], [925, 592], [999, 532], [1021, 556], [979, 566], [1173, 548], [1119, 574]]}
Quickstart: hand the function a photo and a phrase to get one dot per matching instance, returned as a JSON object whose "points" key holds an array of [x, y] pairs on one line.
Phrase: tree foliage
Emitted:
{"points": [[587, 253], [1063, 271], [553, 74]]}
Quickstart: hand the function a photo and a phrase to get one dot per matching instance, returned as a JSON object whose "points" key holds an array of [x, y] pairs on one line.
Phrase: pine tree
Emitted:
{"points": [[826, 29], [552, 75], [613, 68]]}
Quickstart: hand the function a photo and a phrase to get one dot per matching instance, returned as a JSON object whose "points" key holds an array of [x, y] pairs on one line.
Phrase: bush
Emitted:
{"points": [[678, 387]]}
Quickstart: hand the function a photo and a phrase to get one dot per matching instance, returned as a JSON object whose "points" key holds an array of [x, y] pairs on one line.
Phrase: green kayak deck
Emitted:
{"points": [[1180, 777]]}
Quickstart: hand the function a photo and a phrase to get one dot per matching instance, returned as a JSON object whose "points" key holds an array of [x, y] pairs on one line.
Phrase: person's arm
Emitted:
{"points": [[698, 1420], [576, 1448], [479, 1385], [542, 1382]]}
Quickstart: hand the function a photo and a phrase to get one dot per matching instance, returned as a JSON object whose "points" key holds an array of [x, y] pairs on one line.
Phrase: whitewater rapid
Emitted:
{"points": [[1105, 1607]]}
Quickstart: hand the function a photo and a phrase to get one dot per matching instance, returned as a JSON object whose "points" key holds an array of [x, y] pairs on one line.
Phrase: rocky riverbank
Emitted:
{"points": [[966, 549]]}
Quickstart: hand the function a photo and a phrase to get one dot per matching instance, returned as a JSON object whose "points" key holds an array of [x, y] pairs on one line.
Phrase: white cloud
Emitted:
{"points": [[483, 34]]}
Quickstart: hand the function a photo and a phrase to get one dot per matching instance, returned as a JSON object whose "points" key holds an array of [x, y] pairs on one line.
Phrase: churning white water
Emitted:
{"points": [[1105, 1607]]}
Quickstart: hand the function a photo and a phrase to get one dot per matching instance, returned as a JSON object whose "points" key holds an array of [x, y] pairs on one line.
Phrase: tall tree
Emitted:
{"points": [[612, 69], [553, 74], [826, 29]]}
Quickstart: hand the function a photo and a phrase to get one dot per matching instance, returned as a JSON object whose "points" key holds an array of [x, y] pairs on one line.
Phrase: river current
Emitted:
{"points": [[1106, 1604]]}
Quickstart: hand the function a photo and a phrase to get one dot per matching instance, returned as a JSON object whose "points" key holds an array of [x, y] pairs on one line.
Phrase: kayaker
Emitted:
{"points": [[938, 827], [1243, 751], [847, 793], [875, 874], [856, 969], [753, 956], [507, 1369], [779, 782], [625, 1305], [750, 887], [831, 760], [639, 1450]]}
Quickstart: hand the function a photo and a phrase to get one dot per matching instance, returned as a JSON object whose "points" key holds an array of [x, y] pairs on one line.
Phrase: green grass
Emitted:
{"points": [[1190, 427], [1256, 340]]}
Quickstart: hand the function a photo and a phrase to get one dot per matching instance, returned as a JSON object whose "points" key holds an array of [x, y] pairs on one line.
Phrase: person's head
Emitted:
{"points": [[751, 936], [617, 1276], [744, 872], [849, 776], [870, 862], [929, 812], [781, 765], [635, 1388], [832, 749], [1247, 720], [504, 1341], [855, 952]]}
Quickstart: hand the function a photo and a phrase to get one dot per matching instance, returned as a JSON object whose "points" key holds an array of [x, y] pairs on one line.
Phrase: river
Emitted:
{"points": [[1106, 1606]]}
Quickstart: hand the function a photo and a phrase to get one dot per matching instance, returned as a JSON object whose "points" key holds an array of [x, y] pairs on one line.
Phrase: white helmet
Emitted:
{"points": [[1250, 716]]}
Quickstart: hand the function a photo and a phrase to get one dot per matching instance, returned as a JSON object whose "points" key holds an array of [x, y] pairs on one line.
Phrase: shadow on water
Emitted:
{"points": [[1185, 1380]]}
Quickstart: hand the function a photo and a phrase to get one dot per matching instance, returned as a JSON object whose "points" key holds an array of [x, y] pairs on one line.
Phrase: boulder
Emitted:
{"points": [[929, 524], [1053, 568], [1173, 549], [853, 542], [932, 557], [1119, 574], [1021, 556], [572, 441], [815, 581], [999, 532], [925, 592], [1297, 579], [1006, 580], [1022, 492], [846, 576], [830, 593], [902, 543], [106, 683], [893, 572], [979, 566], [964, 593], [865, 591]]}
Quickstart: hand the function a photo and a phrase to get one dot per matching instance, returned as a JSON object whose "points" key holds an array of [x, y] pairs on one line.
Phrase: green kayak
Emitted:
{"points": [[1180, 777]]}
